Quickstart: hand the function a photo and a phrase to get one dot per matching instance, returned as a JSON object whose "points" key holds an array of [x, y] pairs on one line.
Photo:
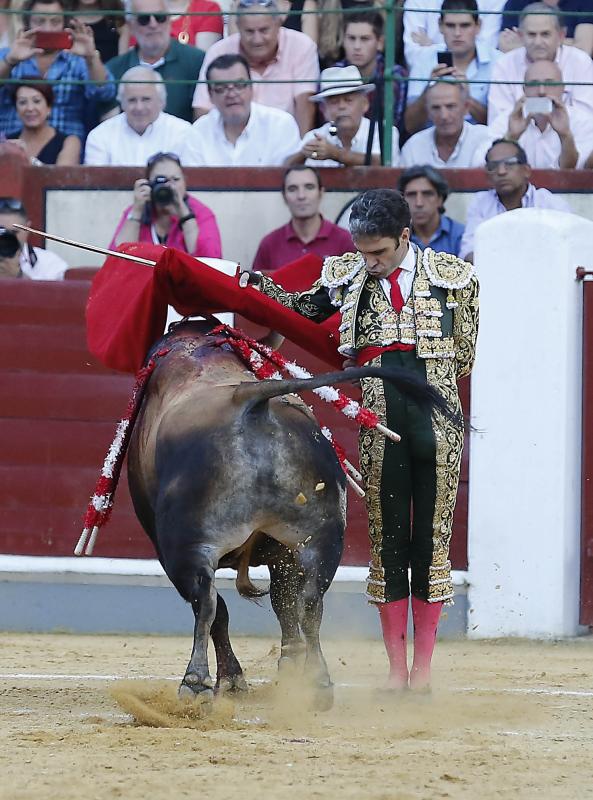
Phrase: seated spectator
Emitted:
{"points": [[425, 191], [199, 31], [82, 62], [559, 139], [163, 212], [471, 61], [151, 28], [508, 172], [40, 140], [17, 258], [363, 46], [274, 54], [579, 25], [452, 142], [307, 231], [344, 139], [111, 33], [421, 28], [542, 35], [238, 132], [143, 127]]}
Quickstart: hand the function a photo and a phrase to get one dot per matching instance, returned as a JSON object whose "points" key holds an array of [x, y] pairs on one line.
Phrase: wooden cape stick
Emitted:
{"points": [[90, 247]]}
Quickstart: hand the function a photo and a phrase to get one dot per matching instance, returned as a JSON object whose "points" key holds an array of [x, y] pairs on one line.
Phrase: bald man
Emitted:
{"points": [[558, 138]]}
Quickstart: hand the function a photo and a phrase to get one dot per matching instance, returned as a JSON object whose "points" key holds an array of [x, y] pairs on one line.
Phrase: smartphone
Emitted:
{"points": [[537, 105], [446, 58], [53, 40]]}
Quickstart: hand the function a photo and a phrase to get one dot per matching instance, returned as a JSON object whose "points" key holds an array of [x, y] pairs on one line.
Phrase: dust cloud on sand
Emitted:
{"points": [[99, 717]]}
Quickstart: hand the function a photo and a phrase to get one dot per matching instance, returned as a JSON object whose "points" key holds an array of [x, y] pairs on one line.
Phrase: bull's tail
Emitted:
{"points": [[405, 381], [242, 582]]}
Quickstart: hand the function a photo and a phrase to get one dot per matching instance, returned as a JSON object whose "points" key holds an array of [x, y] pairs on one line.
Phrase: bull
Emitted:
{"points": [[228, 471]]}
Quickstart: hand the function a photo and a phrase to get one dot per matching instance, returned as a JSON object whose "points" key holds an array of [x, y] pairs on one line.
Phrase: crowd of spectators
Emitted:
{"points": [[272, 82]]}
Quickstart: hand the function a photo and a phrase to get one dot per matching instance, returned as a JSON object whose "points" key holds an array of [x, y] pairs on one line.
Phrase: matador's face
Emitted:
{"points": [[382, 254]]}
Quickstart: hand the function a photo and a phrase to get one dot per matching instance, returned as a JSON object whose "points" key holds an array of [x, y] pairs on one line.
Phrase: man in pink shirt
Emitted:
{"points": [[543, 35], [274, 54], [307, 231]]}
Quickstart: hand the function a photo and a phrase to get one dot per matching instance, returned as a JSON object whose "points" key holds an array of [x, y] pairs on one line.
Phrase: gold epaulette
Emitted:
{"points": [[446, 271], [339, 270]]}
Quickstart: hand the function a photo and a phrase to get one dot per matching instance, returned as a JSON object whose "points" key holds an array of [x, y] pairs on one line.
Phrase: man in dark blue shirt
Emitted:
{"points": [[425, 191]]}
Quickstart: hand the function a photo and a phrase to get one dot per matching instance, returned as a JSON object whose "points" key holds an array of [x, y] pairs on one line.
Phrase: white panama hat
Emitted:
{"points": [[341, 80]]}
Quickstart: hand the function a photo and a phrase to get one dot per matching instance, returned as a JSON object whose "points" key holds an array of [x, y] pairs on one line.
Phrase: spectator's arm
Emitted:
{"points": [[478, 111], [474, 218], [560, 122], [310, 22], [583, 37], [69, 155], [304, 112], [201, 99], [20, 50]]}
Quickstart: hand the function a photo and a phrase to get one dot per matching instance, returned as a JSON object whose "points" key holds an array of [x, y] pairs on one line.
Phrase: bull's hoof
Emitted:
{"points": [[192, 688], [323, 698], [231, 683]]}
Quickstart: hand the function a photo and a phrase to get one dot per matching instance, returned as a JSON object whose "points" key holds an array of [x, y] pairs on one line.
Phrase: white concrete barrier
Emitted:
{"points": [[525, 461]]}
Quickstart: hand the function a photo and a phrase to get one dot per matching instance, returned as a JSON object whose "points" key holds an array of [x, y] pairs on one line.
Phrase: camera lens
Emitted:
{"points": [[9, 244], [161, 194]]}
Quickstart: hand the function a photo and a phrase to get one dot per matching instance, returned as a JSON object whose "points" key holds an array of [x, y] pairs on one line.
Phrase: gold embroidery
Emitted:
{"points": [[297, 301], [371, 449], [338, 270], [465, 327]]}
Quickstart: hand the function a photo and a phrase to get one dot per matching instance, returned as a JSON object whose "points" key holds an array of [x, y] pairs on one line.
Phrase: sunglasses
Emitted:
{"points": [[11, 204], [144, 19], [262, 3], [512, 161]]}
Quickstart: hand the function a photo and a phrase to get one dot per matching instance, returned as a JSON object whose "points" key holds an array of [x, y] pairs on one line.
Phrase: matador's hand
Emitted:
{"points": [[248, 277]]}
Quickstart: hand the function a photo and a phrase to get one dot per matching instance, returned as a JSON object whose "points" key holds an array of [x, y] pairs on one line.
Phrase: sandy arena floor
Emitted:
{"points": [[506, 720]]}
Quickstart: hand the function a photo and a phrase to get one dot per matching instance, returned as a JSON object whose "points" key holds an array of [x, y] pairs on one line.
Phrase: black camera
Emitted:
{"points": [[9, 244], [161, 193]]}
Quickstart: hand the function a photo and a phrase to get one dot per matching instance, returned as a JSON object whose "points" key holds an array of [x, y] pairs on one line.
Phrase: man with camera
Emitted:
{"points": [[17, 258], [461, 57], [554, 135], [64, 53], [163, 213]]}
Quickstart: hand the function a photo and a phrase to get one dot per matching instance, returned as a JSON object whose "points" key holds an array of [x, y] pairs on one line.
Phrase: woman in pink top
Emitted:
{"points": [[163, 212]]}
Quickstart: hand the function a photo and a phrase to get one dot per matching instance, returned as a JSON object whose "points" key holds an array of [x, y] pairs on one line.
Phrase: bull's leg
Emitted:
{"points": [[202, 596], [285, 585], [319, 565], [229, 675]]}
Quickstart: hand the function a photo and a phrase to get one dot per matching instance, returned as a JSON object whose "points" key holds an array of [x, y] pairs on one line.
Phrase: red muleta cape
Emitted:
{"points": [[127, 306]]}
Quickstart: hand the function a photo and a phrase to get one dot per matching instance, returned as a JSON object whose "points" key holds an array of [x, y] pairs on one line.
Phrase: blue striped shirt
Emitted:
{"points": [[70, 99]]}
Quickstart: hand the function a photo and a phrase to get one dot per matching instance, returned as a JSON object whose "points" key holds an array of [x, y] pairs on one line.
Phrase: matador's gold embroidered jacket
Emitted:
{"points": [[440, 318]]}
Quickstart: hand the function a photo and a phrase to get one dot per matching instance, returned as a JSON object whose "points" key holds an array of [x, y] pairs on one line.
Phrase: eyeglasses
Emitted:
{"points": [[11, 204], [262, 3], [226, 88], [144, 19], [161, 157], [511, 161]]}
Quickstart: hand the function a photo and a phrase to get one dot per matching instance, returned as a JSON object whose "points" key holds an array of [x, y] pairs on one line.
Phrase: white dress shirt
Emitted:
{"points": [[486, 205], [268, 138], [47, 266], [115, 143], [427, 20], [574, 64], [470, 150], [359, 143], [405, 278], [543, 147]]}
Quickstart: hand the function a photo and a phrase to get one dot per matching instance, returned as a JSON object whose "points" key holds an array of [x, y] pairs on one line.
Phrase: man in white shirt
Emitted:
{"points": [[142, 129], [562, 137], [472, 61], [17, 258], [343, 140], [284, 62], [509, 172], [238, 132], [543, 35], [452, 141], [421, 26]]}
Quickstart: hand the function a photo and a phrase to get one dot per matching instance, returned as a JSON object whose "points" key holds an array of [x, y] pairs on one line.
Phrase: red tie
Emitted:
{"points": [[397, 299]]}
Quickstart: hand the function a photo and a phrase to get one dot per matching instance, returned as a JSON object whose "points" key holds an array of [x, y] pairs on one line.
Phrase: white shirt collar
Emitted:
{"points": [[409, 262]]}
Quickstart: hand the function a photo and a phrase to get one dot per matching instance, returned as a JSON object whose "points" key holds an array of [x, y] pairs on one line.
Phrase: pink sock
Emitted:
{"points": [[394, 624], [426, 619]]}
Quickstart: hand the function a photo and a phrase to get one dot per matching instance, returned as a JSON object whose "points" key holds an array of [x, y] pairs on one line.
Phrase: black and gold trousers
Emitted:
{"points": [[411, 486]]}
